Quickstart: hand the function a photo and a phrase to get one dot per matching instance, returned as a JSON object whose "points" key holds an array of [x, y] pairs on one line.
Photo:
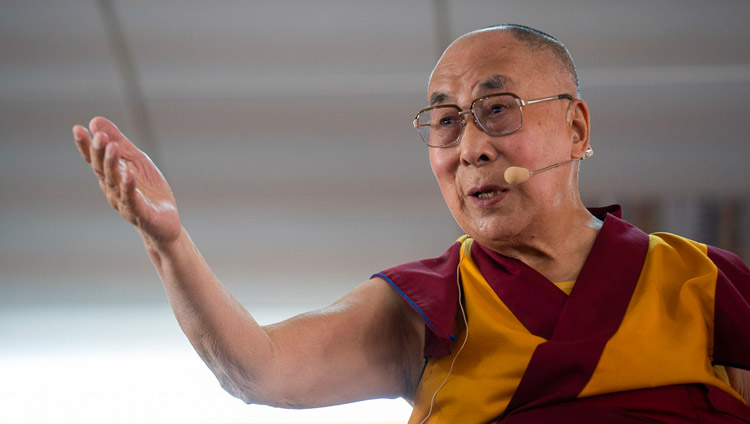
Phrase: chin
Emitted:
{"points": [[496, 231], [491, 227]]}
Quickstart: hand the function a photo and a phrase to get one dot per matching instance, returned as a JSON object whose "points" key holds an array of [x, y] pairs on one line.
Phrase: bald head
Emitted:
{"points": [[467, 79], [537, 43]]}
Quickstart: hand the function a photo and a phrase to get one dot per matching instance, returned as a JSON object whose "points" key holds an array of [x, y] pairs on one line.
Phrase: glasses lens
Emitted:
{"points": [[498, 115], [440, 126]]}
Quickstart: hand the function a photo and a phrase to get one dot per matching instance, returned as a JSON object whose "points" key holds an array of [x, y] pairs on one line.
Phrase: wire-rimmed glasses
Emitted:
{"points": [[496, 114]]}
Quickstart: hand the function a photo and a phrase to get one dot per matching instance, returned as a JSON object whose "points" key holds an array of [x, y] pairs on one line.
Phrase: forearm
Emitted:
{"points": [[236, 349], [358, 348], [363, 346]]}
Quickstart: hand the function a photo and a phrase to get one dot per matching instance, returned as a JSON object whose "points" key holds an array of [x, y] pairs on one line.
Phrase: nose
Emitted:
{"points": [[477, 147]]}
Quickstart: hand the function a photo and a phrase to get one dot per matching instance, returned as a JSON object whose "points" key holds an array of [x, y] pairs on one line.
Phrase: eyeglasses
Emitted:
{"points": [[496, 114]]}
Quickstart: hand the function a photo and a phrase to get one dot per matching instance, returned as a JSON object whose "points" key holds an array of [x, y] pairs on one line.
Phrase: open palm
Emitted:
{"points": [[134, 186]]}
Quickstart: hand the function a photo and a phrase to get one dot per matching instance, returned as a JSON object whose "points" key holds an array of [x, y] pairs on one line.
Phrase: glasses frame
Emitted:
{"points": [[521, 103]]}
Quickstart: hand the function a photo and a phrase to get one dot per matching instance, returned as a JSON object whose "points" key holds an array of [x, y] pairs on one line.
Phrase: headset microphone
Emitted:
{"points": [[518, 175]]}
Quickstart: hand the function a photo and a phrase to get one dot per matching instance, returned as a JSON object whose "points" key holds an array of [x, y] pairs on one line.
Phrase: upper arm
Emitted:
{"points": [[740, 381], [366, 345], [731, 316]]}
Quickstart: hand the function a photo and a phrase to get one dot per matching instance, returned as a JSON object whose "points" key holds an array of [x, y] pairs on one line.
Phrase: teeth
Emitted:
{"points": [[488, 194]]}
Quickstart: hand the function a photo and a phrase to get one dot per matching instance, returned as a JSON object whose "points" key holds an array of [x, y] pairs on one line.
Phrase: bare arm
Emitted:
{"points": [[368, 344], [740, 381]]}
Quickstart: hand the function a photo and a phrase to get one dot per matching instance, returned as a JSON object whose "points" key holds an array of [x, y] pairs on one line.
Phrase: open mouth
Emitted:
{"points": [[487, 192]]}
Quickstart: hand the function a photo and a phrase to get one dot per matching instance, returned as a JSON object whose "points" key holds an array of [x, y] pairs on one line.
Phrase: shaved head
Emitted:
{"points": [[538, 42], [536, 68]]}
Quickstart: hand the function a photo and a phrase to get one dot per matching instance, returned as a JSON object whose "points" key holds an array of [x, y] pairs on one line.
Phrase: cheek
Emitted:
{"points": [[443, 165]]}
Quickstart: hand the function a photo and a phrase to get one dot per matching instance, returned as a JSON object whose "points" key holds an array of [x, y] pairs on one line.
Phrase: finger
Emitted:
{"points": [[128, 195], [97, 153], [112, 198], [103, 125], [111, 161], [83, 141]]}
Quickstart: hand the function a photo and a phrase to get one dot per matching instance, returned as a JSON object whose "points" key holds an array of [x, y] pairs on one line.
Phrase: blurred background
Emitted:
{"points": [[284, 128]]}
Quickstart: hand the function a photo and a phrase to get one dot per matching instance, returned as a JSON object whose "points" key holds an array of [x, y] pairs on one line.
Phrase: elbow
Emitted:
{"points": [[241, 380], [251, 382], [232, 377], [239, 389], [252, 391]]}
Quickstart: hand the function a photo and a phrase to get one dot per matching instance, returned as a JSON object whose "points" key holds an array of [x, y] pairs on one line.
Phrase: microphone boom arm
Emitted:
{"points": [[587, 154]]}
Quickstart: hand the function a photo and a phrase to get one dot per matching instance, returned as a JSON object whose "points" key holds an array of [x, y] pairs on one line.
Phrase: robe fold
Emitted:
{"points": [[648, 318]]}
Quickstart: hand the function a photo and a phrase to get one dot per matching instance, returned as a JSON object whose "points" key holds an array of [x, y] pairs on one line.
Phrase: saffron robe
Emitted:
{"points": [[646, 321]]}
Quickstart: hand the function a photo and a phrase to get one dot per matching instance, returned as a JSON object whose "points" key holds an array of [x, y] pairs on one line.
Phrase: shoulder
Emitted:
{"points": [[676, 246], [429, 287]]}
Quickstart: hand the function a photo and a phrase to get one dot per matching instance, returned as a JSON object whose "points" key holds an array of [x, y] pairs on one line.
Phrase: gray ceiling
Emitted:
{"points": [[284, 128]]}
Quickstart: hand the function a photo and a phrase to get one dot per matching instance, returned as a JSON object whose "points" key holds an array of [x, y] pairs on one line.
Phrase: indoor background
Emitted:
{"points": [[284, 128]]}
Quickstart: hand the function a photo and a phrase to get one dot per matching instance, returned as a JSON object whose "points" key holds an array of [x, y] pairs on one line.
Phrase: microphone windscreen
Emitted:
{"points": [[516, 175]]}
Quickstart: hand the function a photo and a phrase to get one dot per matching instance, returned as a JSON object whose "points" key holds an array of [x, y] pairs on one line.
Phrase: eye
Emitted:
{"points": [[497, 108], [447, 121]]}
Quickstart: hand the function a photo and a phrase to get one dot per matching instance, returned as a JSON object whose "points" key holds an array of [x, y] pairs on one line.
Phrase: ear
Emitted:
{"points": [[579, 128]]}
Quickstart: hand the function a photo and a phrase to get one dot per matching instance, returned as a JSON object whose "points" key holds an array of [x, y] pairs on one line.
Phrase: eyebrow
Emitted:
{"points": [[438, 97], [495, 82]]}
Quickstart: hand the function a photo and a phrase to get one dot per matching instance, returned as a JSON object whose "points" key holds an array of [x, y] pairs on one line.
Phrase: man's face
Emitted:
{"points": [[470, 174]]}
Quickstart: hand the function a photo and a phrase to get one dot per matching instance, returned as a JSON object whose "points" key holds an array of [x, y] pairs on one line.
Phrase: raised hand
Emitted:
{"points": [[369, 356], [134, 186]]}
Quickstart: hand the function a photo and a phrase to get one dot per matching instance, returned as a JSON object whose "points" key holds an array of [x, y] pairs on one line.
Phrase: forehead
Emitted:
{"points": [[493, 61]]}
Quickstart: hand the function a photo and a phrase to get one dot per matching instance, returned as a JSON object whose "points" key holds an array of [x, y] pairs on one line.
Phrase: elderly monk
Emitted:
{"points": [[546, 311]]}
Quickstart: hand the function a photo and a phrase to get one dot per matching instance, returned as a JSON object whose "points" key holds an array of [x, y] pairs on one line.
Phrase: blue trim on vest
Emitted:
{"points": [[411, 302]]}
